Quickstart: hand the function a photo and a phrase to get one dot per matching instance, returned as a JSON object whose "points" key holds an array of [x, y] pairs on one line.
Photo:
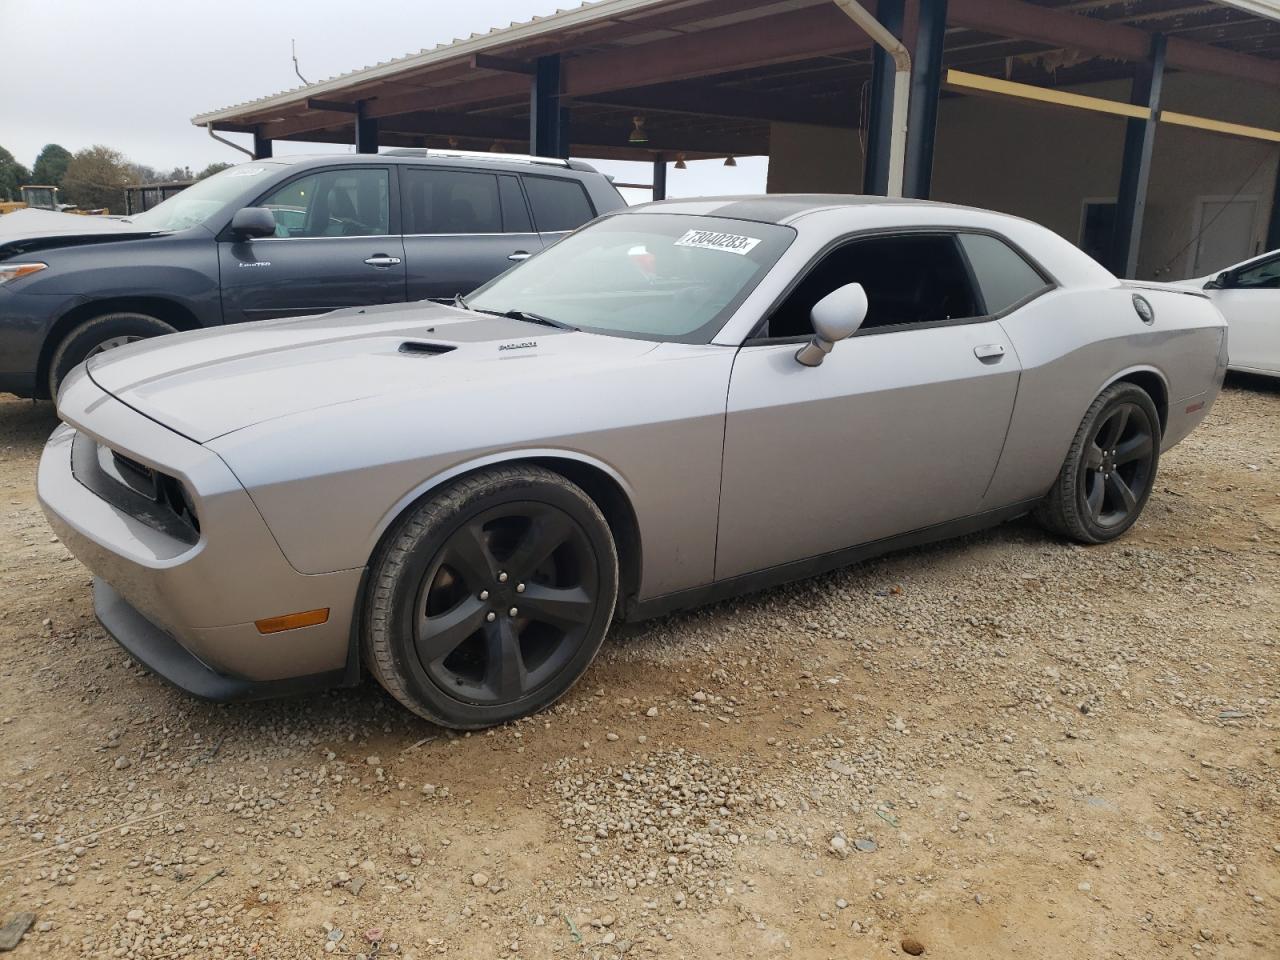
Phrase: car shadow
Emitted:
{"points": [[1255, 382]]}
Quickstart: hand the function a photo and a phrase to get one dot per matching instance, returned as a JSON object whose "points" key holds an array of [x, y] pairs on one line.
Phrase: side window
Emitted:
{"points": [[450, 201], [515, 212], [558, 205], [333, 203], [1263, 276], [1003, 276], [908, 279]]}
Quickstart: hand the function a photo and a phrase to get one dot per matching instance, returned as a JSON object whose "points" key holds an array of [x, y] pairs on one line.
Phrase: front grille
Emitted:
{"points": [[149, 496]]}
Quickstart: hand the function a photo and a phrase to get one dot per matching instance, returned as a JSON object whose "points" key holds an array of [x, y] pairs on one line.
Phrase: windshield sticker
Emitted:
{"points": [[714, 240], [246, 171]]}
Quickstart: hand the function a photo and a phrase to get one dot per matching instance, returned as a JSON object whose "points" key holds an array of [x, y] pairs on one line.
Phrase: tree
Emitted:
{"points": [[51, 165], [96, 177], [12, 176], [213, 168]]}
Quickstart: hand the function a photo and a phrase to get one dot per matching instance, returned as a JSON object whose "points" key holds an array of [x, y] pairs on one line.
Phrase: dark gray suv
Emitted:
{"points": [[277, 238]]}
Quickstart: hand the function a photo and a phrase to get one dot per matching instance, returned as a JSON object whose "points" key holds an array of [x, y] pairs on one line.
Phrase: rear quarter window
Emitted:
{"points": [[1004, 276], [558, 205]]}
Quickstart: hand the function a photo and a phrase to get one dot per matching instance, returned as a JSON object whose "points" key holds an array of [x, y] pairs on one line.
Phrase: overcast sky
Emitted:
{"points": [[131, 74]]}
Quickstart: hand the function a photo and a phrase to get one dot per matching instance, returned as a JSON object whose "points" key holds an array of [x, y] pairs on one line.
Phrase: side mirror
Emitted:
{"points": [[1220, 282], [835, 317], [253, 222]]}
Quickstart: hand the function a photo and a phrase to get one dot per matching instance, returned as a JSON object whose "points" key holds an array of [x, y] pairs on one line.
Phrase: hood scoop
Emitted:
{"points": [[423, 348]]}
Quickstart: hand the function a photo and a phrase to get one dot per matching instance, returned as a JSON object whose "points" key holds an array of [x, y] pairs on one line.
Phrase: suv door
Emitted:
{"points": [[560, 205], [900, 427], [462, 228], [336, 245]]}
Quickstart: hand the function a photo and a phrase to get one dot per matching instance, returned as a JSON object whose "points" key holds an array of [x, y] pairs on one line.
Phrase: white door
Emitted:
{"points": [[1224, 233], [1250, 300]]}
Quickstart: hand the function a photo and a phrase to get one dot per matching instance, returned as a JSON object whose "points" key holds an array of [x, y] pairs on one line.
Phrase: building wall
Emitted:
{"points": [[1043, 163], [806, 159]]}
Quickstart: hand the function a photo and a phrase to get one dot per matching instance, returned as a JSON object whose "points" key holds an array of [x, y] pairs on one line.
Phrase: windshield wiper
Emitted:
{"points": [[529, 317]]}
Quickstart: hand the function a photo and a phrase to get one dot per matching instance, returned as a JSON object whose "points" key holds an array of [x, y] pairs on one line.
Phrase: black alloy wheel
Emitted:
{"points": [[489, 600], [1110, 469], [506, 603], [1119, 465]]}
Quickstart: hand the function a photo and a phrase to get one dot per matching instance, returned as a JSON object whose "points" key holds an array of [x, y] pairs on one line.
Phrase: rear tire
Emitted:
{"points": [[1110, 469], [101, 333], [488, 601]]}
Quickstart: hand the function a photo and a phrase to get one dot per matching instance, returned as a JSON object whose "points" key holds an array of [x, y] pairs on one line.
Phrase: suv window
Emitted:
{"points": [[912, 279], [450, 201], [1003, 275], [1261, 276], [333, 203], [558, 205]]}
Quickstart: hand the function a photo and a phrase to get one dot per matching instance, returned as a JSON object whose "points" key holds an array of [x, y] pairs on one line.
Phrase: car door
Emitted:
{"points": [[1250, 300], [560, 205], [336, 245], [900, 428], [462, 228]]}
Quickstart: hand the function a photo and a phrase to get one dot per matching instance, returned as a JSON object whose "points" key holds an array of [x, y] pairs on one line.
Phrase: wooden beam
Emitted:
{"points": [[1220, 126], [963, 82], [332, 106], [483, 61], [474, 88], [707, 100]]}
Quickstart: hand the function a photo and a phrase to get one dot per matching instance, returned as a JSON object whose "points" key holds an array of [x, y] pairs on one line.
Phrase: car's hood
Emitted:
{"points": [[24, 231], [208, 383]]}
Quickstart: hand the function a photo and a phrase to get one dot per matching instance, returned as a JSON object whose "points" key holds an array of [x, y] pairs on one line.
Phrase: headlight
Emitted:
{"points": [[14, 271]]}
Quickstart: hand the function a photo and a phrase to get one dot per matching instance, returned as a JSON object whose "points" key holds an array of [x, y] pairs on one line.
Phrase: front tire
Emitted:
{"points": [[94, 336], [488, 601], [1110, 469]]}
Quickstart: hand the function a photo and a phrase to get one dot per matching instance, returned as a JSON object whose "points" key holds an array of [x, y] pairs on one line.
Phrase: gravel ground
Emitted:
{"points": [[1006, 745]]}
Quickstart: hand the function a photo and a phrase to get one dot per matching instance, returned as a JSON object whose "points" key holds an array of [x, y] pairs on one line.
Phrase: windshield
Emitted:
{"points": [[656, 276], [203, 199]]}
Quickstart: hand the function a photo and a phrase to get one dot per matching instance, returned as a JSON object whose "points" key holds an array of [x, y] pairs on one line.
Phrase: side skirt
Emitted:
{"points": [[813, 566]]}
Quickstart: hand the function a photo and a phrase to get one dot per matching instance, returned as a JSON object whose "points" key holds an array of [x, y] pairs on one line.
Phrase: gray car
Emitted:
{"points": [[284, 237], [677, 403]]}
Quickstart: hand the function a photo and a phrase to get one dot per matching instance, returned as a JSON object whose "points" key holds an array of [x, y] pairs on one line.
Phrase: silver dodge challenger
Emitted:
{"points": [[677, 403]]}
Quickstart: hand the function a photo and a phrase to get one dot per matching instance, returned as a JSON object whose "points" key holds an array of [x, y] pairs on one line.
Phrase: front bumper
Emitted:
{"points": [[164, 656], [178, 606]]}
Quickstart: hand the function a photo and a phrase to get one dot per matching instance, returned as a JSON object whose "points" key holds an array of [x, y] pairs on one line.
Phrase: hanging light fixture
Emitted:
{"points": [[730, 162], [637, 131], [680, 164]]}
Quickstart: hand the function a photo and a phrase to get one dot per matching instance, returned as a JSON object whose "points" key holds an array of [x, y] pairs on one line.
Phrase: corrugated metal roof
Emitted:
{"points": [[587, 12]]}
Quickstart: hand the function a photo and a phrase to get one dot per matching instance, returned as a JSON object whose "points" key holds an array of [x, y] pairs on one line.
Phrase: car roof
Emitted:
{"points": [[468, 158], [785, 207]]}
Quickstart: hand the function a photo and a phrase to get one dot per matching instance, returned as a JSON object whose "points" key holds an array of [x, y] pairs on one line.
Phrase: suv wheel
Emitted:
{"points": [[94, 336]]}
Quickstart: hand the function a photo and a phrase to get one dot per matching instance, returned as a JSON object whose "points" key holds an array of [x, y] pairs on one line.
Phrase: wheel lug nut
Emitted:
{"points": [[484, 594], [519, 588], [491, 616], [502, 577], [513, 611]]}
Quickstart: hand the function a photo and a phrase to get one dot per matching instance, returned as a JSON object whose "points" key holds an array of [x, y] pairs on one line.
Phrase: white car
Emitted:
{"points": [[1248, 295]]}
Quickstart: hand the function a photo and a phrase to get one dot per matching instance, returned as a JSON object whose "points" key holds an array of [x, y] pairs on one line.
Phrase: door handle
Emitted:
{"points": [[989, 352], [382, 260], [519, 255]]}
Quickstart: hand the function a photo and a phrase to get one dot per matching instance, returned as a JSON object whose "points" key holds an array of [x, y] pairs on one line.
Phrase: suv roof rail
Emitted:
{"points": [[474, 155]]}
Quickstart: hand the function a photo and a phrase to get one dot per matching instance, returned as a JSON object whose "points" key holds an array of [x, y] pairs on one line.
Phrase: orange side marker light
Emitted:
{"points": [[292, 621]]}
